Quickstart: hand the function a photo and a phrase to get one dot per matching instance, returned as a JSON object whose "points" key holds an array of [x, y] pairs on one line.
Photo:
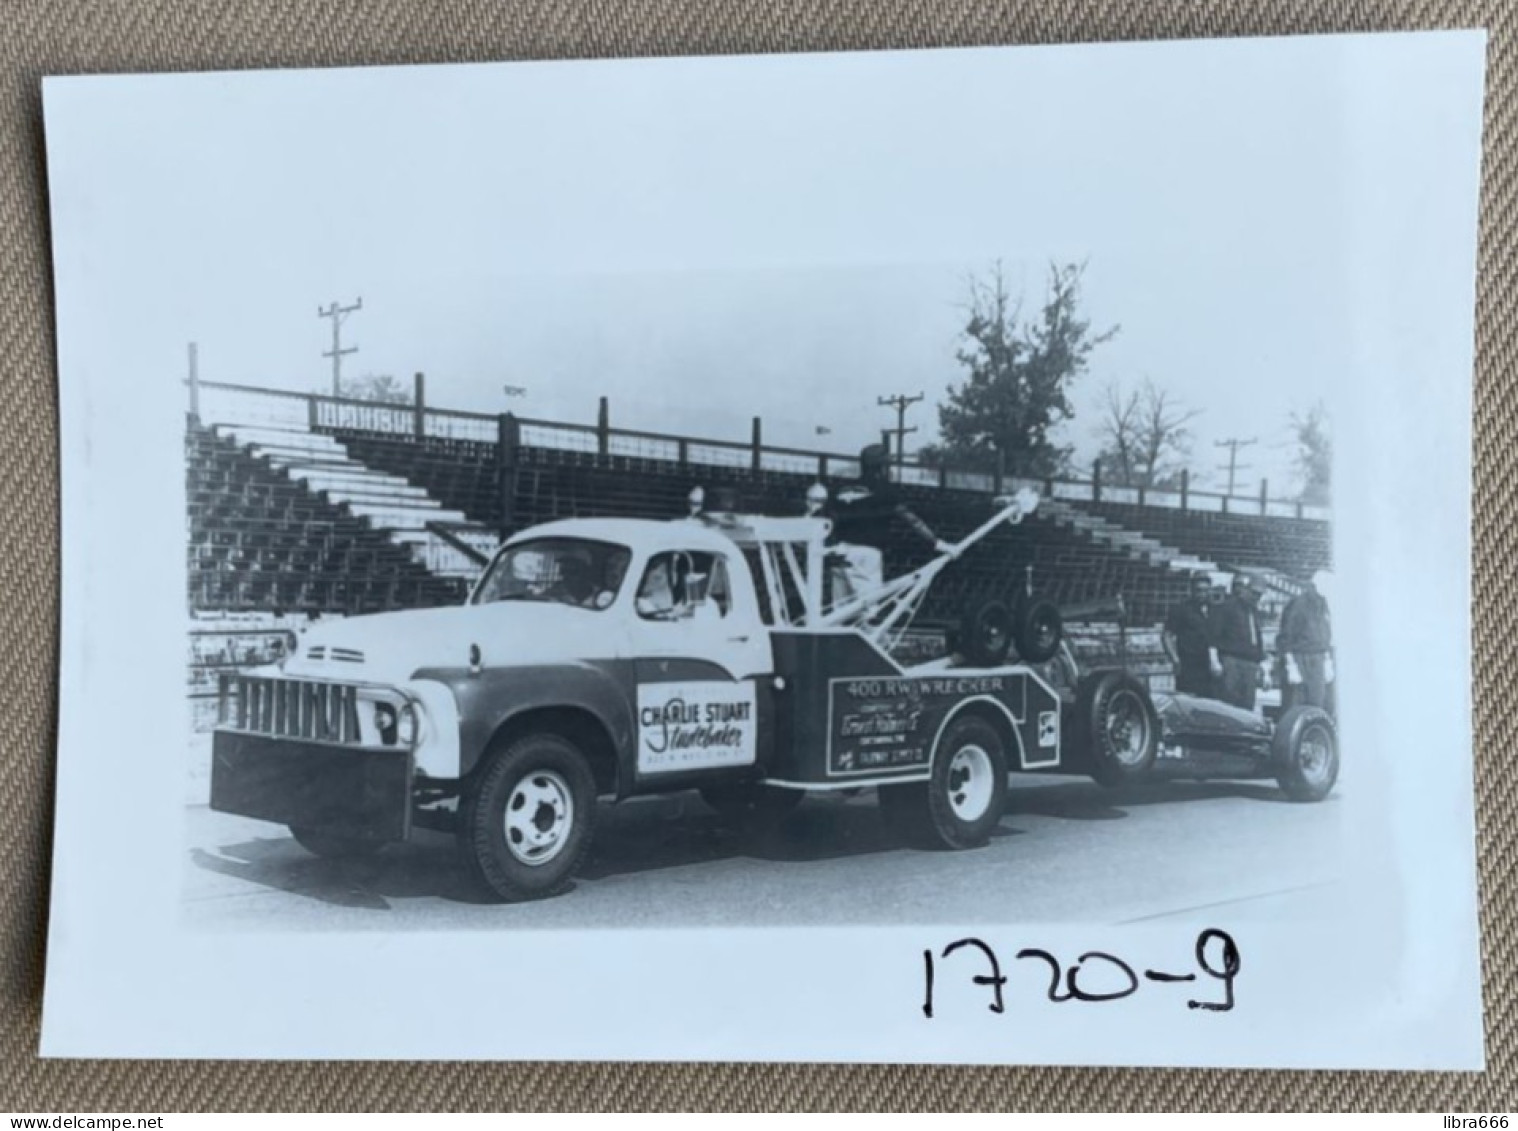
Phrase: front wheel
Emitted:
{"points": [[525, 822], [1305, 753]]}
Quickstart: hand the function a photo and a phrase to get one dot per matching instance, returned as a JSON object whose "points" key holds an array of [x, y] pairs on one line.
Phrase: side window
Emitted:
{"points": [[684, 585]]}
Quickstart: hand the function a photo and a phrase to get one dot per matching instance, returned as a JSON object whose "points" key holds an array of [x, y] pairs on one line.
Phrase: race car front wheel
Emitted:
{"points": [[525, 821], [1305, 753]]}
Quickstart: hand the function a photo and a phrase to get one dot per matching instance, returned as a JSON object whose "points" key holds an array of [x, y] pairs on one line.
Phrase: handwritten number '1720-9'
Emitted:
{"points": [[1216, 953]]}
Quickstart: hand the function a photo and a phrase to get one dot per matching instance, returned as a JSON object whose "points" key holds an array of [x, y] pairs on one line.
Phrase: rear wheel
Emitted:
{"points": [[963, 800], [1305, 753], [1118, 728], [525, 822]]}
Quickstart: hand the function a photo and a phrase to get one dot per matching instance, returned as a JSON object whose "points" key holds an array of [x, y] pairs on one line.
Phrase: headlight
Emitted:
{"points": [[409, 726], [385, 722]]}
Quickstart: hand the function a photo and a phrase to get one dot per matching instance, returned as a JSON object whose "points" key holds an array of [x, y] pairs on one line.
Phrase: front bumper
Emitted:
{"points": [[362, 792]]}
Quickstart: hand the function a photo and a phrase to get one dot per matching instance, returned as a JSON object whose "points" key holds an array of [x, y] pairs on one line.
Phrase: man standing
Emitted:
{"points": [[1188, 639], [864, 520], [1239, 642], [1305, 645]]}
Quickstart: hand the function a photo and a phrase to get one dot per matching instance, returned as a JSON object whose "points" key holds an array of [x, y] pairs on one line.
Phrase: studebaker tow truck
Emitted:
{"points": [[612, 658]]}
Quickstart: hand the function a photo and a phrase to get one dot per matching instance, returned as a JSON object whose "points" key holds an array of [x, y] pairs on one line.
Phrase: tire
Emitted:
{"points": [[963, 800], [335, 846], [1305, 753], [751, 805], [1118, 728], [526, 820], [1038, 630], [985, 633]]}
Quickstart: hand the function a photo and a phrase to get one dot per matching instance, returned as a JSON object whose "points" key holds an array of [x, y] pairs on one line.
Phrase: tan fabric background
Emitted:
{"points": [[39, 37]]}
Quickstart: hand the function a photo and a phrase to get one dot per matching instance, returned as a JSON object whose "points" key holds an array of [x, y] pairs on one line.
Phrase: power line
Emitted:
{"points": [[1233, 466], [900, 402], [336, 353]]}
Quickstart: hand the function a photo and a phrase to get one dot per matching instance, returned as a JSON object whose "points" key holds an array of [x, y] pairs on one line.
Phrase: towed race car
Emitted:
{"points": [[1128, 734]]}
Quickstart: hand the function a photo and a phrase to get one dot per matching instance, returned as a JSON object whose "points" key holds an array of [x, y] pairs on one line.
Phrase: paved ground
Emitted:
{"points": [[1067, 851]]}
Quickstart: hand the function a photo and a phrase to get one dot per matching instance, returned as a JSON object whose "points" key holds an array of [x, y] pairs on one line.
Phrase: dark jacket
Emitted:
{"points": [[868, 515], [1236, 630], [1190, 622], [1305, 626]]}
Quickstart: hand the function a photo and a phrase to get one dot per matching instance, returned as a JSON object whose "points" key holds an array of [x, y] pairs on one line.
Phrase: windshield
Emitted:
{"points": [[566, 571]]}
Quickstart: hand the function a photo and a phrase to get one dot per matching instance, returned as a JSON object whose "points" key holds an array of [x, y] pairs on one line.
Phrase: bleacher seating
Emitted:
{"points": [[260, 540], [551, 483], [1293, 546], [460, 474]]}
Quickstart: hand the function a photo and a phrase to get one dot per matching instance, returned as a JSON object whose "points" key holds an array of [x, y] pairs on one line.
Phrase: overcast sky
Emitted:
{"points": [[707, 240]]}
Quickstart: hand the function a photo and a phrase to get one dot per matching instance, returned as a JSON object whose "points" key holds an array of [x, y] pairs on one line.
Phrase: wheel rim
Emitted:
{"points": [[1315, 756], [540, 813], [971, 785], [1045, 635], [993, 636], [1127, 729]]}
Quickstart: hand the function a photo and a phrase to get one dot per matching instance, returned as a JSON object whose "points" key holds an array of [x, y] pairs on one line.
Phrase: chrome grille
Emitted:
{"points": [[290, 708]]}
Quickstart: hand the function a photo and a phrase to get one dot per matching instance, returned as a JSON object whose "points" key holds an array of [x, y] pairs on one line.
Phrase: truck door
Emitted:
{"points": [[704, 668]]}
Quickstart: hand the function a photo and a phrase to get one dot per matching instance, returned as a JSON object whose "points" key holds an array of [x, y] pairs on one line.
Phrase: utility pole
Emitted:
{"points": [[338, 314], [1233, 466], [195, 382], [900, 402]]}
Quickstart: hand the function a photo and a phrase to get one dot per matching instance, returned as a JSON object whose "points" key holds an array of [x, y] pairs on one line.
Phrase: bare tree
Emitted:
{"points": [[1119, 428], [1146, 436]]}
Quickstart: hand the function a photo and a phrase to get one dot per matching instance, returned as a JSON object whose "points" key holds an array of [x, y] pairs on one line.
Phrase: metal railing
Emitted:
{"points": [[217, 402]]}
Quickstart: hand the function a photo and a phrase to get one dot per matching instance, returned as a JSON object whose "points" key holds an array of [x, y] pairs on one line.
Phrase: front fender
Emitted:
{"points": [[488, 700]]}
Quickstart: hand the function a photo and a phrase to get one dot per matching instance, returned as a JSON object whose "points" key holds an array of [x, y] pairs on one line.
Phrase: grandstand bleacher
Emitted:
{"points": [[260, 540], [1292, 546], [549, 483]]}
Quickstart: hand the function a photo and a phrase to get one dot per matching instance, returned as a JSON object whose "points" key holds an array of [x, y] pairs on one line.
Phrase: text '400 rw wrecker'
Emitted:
{"points": [[613, 658]]}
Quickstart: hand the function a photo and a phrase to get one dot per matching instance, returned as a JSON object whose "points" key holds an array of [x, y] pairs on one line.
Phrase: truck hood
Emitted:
{"points": [[390, 647]]}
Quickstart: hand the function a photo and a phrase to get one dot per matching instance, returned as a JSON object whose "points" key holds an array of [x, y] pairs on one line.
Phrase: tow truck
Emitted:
{"points": [[605, 659]]}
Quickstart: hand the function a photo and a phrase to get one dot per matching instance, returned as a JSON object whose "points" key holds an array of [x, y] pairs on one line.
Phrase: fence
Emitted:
{"points": [[216, 402]]}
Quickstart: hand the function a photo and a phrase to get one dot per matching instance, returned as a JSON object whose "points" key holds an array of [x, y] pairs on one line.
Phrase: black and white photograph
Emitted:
{"points": [[773, 557]]}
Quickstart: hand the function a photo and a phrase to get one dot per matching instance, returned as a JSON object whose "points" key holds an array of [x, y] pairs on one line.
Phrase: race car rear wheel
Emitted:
{"points": [[1038, 630], [1305, 753], [963, 800], [525, 820], [1118, 728]]}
